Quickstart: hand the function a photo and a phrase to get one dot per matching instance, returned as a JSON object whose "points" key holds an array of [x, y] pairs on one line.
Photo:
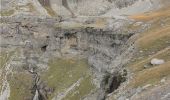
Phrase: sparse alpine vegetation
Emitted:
{"points": [[85, 50]]}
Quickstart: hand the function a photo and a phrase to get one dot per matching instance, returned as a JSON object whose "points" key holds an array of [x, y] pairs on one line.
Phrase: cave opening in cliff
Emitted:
{"points": [[44, 48]]}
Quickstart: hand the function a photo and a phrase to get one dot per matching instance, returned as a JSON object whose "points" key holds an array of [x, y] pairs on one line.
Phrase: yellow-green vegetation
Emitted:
{"points": [[82, 90], [31, 7], [150, 43], [63, 73], [99, 23], [78, 25], [20, 83], [155, 38], [156, 15], [160, 50], [153, 43], [151, 76], [50, 11], [20, 86], [69, 25], [7, 12], [4, 58], [132, 26], [139, 65]]}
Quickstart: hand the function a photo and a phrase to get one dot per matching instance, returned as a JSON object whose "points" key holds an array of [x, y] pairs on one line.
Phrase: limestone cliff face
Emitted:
{"points": [[73, 8], [40, 39], [95, 42], [90, 8], [94, 37]]}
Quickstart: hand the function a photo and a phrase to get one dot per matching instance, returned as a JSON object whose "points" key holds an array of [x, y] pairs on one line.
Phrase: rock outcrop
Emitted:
{"points": [[78, 49], [104, 48], [76, 8]]}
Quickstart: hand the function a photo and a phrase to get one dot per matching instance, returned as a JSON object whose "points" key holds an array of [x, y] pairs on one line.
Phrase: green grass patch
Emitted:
{"points": [[20, 83], [31, 7], [63, 73], [155, 45], [4, 57], [28, 5], [20, 86], [150, 49], [152, 46], [50, 11], [69, 25], [7, 12], [150, 76], [77, 26], [82, 90], [154, 74]]}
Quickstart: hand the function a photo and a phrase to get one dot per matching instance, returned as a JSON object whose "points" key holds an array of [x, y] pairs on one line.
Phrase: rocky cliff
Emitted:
{"points": [[82, 49], [41, 39], [76, 8]]}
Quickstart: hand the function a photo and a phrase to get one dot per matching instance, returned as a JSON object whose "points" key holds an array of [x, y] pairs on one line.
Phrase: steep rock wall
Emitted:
{"points": [[107, 50], [76, 8]]}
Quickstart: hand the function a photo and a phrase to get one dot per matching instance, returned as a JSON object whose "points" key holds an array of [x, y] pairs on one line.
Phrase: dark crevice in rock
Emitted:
{"points": [[70, 35], [47, 37], [114, 83], [111, 82], [44, 48], [41, 88]]}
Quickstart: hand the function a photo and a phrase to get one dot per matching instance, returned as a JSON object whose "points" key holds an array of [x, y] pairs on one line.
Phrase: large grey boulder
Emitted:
{"points": [[156, 61]]}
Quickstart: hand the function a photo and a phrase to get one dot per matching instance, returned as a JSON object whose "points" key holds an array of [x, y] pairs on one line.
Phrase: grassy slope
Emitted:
{"points": [[7, 12], [20, 86], [63, 73], [20, 82], [4, 57], [154, 43]]}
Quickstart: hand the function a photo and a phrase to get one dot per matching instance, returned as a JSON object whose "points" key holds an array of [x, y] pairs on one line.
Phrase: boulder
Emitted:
{"points": [[156, 61]]}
